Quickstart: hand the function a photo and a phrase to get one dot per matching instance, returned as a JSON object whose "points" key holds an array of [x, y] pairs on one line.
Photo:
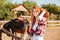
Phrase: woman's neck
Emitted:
{"points": [[36, 18]]}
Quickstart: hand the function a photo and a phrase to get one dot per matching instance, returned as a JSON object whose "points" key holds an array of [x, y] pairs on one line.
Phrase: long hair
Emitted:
{"points": [[39, 10]]}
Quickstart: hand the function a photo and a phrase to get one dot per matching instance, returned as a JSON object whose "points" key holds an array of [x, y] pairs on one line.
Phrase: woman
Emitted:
{"points": [[38, 23]]}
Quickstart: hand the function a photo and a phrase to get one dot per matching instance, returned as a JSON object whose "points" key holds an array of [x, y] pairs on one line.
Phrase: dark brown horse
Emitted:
{"points": [[17, 26]]}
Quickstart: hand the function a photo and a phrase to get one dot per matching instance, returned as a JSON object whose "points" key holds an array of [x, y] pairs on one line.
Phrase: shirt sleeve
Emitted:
{"points": [[41, 27]]}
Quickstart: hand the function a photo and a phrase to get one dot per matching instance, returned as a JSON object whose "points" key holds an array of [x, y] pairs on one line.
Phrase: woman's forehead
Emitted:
{"points": [[34, 9]]}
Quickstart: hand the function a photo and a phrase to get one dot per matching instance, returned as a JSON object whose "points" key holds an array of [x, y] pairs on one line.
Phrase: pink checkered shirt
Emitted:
{"points": [[40, 28]]}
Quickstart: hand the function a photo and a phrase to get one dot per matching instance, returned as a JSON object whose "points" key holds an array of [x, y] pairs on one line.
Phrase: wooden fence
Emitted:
{"points": [[54, 23], [50, 24]]}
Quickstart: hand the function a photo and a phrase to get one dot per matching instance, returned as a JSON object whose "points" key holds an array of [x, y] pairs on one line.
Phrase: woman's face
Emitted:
{"points": [[35, 12]]}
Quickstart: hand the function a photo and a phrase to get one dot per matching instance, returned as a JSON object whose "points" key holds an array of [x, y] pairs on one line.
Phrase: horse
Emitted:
{"points": [[18, 26]]}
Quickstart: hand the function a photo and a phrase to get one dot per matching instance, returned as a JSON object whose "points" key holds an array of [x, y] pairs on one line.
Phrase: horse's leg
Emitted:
{"points": [[28, 30], [25, 34], [15, 34], [12, 37], [0, 35], [23, 37]]}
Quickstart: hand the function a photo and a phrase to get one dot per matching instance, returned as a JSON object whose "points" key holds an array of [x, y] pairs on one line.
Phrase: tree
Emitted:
{"points": [[52, 8], [5, 8], [29, 5], [2, 5]]}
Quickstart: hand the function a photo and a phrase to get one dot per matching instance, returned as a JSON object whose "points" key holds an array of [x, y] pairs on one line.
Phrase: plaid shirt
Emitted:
{"points": [[40, 28]]}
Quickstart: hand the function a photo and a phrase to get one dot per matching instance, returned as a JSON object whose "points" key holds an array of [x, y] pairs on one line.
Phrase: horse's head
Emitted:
{"points": [[21, 23]]}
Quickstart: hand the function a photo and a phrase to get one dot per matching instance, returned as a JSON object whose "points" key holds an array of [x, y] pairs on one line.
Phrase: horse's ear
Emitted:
{"points": [[17, 20]]}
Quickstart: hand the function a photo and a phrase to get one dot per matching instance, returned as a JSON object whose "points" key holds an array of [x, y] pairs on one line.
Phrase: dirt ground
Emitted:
{"points": [[52, 33]]}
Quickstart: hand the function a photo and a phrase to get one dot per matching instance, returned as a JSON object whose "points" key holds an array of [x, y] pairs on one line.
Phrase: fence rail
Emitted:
{"points": [[50, 23], [54, 23]]}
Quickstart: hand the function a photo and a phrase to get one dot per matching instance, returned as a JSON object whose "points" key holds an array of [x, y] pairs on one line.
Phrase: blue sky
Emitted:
{"points": [[40, 2]]}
